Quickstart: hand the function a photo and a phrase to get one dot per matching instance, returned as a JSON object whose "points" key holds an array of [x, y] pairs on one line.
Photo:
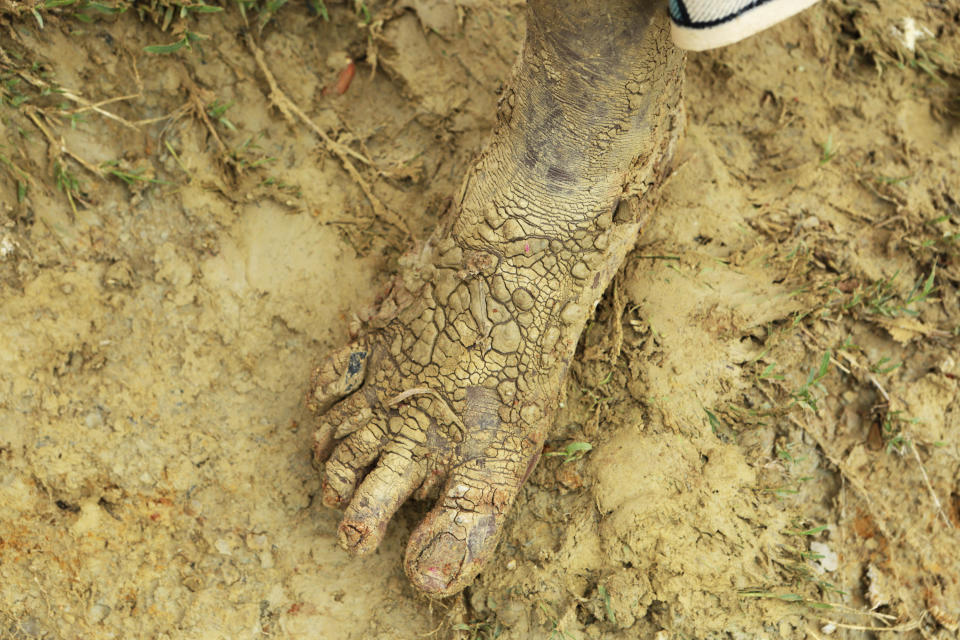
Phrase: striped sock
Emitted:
{"points": [[707, 24]]}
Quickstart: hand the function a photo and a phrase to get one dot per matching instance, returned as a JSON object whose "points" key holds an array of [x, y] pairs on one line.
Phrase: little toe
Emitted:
{"points": [[340, 374]]}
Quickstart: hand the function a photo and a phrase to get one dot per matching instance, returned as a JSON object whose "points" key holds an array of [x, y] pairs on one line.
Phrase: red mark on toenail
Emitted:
{"points": [[440, 562], [330, 497]]}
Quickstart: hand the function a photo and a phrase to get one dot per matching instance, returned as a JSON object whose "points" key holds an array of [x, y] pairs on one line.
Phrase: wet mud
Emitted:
{"points": [[769, 389]]}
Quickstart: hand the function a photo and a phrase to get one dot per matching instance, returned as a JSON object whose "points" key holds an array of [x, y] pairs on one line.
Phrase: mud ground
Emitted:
{"points": [[771, 388]]}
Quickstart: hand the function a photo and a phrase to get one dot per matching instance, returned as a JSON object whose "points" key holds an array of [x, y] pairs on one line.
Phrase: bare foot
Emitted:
{"points": [[457, 392]]}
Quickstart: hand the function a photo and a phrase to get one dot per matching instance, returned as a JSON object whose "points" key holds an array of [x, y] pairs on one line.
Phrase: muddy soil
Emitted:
{"points": [[770, 389]]}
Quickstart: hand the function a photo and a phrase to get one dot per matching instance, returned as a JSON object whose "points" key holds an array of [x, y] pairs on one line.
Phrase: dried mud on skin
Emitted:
{"points": [[155, 476]]}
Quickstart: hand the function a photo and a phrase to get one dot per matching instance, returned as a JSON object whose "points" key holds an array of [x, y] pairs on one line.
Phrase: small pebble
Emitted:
{"points": [[97, 613]]}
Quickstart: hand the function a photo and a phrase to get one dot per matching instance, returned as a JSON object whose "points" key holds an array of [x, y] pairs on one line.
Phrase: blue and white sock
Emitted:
{"points": [[707, 24]]}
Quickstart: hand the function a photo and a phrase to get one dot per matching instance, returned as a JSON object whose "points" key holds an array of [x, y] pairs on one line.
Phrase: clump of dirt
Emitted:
{"points": [[760, 433]]}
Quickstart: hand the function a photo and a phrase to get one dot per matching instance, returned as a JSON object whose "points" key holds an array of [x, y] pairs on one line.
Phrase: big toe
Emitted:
{"points": [[448, 550], [457, 538]]}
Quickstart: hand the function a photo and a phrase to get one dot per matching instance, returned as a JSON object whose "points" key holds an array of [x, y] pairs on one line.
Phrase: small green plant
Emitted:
{"points": [[286, 187], [243, 5], [782, 492], [920, 294], [804, 395], [364, 12], [78, 9], [828, 150], [608, 608], [786, 597], [10, 90], [573, 451], [805, 532], [848, 345], [556, 632], [893, 432], [176, 157], [21, 177], [199, 7], [882, 368], [67, 182], [882, 298], [715, 425], [320, 9], [217, 109], [479, 630], [792, 482], [187, 40], [129, 176], [893, 181], [802, 569], [798, 318], [768, 373], [785, 453], [75, 118], [269, 10], [722, 431], [248, 155], [595, 397]]}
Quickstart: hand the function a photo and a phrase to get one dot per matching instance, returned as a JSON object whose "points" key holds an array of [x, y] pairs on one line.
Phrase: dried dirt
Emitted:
{"points": [[771, 388]]}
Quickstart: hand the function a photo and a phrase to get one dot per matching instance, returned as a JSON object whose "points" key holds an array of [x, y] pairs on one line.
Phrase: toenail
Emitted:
{"points": [[330, 497], [440, 562], [356, 362], [350, 535]]}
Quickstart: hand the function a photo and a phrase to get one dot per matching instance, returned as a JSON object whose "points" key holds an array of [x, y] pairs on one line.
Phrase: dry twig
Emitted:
{"points": [[926, 480], [292, 112]]}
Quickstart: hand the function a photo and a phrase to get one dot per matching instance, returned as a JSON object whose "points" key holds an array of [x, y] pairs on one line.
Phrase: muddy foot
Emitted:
{"points": [[457, 392]]}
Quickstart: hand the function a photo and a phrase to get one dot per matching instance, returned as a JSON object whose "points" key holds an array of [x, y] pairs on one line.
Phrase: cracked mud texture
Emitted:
{"points": [[155, 455]]}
